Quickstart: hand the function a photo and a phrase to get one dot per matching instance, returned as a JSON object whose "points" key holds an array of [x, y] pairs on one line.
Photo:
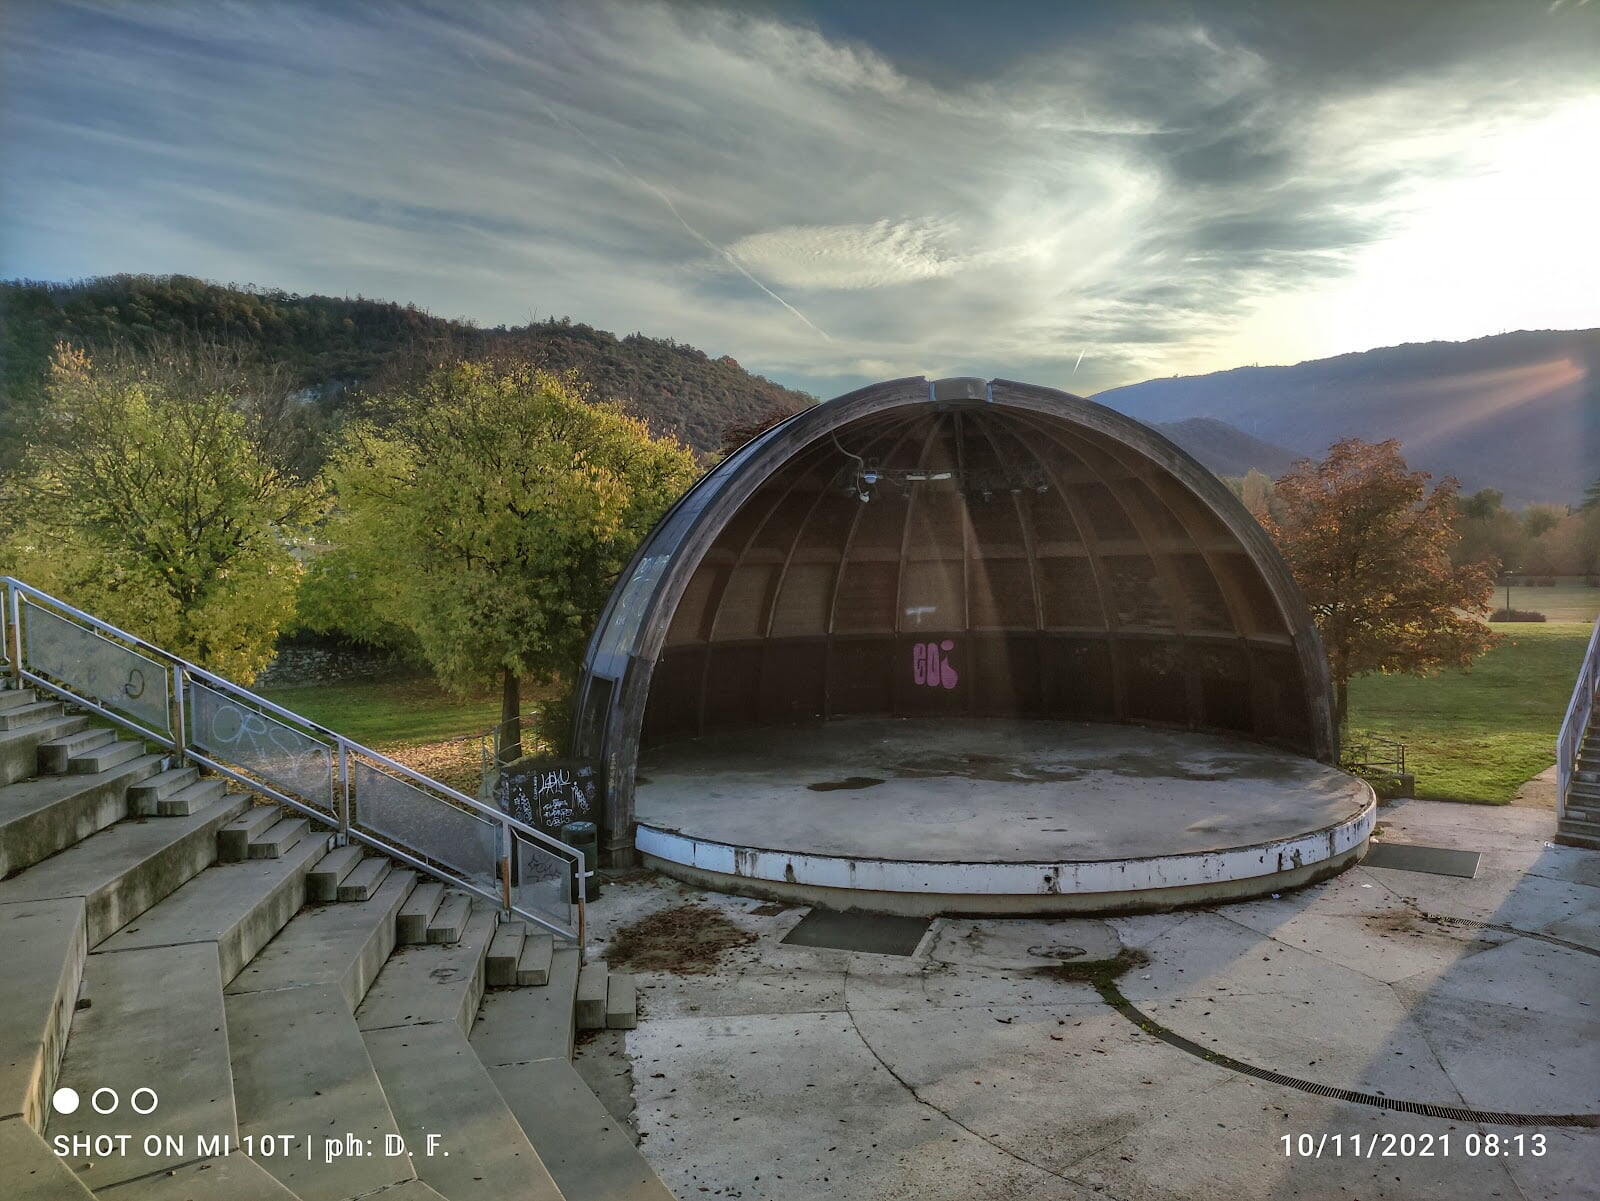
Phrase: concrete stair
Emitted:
{"points": [[533, 967], [450, 919], [46, 814], [418, 911], [323, 882], [233, 1177], [31, 1171], [278, 838], [144, 796], [45, 949], [34, 711], [106, 756], [522, 1024], [19, 757], [233, 843], [177, 989], [433, 982], [1579, 825], [364, 879], [127, 867], [237, 907], [300, 1067], [56, 754], [415, 1021], [341, 946], [505, 952], [158, 929], [590, 1155], [437, 1086]]}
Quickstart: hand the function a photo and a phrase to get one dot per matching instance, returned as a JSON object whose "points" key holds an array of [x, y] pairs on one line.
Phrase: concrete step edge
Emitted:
{"points": [[365, 880], [233, 840], [278, 838], [590, 1154], [323, 883], [82, 806], [278, 894], [192, 798], [418, 911], [124, 869], [434, 1083]]}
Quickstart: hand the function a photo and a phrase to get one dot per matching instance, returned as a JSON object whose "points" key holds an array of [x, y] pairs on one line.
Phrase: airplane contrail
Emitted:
{"points": [[694, 233], [1081, 353]]}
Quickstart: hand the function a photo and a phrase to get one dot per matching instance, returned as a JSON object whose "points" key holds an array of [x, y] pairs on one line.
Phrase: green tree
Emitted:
{"points": [[485, 512], [1370, 548], [157, 496]]}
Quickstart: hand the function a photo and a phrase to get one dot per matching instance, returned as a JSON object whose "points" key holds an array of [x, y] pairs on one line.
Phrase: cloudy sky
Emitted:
{"points": [[1078, 195]]}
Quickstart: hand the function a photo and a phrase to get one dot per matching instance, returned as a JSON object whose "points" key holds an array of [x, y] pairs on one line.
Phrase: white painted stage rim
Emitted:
{"points": [[1104, 884]]}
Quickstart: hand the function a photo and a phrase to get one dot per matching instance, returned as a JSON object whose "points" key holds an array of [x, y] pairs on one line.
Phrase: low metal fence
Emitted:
{"points": [[367, 796], [1573, 727]]}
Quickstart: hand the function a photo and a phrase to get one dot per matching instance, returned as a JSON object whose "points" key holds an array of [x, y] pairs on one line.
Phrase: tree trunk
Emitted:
{"points": [[508, 739], [1341, 704]]}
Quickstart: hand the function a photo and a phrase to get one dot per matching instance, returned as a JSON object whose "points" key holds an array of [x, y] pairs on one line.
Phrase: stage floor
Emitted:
{"points": [[993, 806]]}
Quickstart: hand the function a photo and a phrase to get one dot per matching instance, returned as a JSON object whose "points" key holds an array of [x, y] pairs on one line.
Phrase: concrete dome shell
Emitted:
{"points": [[1062, 559]]}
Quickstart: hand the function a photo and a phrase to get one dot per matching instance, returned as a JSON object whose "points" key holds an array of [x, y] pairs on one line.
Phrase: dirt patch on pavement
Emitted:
{"points": [[687, 941]]}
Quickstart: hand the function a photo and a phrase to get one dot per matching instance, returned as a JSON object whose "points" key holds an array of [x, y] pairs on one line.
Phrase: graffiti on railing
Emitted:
{"points": [[931, 665], [261, 745], [95, 668]]}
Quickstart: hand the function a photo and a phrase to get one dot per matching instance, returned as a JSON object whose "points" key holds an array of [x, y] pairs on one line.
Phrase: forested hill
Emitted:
{"points": [[333, 343]]}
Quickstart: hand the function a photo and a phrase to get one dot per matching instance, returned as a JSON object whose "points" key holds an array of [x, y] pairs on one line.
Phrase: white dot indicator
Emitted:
{"points": [[65, 1100]]}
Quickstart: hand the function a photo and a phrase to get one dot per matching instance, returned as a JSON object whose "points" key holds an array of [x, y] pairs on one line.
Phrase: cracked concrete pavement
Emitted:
{"points": [[966, 1072]]}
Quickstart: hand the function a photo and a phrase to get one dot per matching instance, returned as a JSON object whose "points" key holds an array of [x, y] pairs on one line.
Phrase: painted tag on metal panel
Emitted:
{"points": [[549, 793]]}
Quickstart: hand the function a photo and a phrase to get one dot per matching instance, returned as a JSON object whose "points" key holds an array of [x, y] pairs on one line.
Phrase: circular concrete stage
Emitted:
{"points": [[995, 816]]}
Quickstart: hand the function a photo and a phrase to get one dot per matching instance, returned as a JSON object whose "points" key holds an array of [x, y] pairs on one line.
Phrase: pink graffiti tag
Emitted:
{"points": [[932, 668]]}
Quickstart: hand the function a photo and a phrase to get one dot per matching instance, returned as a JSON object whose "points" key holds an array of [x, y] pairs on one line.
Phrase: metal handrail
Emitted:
{"points": [[346, 750], [1576, 722]]}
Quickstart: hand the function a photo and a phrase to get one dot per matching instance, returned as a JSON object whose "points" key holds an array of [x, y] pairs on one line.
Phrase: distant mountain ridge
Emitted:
{"points": [[1519, 411], [1227, 450], [331, 343]]}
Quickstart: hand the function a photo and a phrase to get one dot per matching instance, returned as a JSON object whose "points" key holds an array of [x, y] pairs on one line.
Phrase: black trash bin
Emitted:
{"points": [[585, 837]]}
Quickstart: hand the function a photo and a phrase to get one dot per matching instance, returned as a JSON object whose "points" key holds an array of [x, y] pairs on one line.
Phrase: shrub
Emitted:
{"points": [[1516, 615]]}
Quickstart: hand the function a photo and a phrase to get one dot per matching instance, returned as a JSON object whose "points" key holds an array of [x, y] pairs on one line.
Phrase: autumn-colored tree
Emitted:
{"points": [[485, 511], [157, 493], [1370, 547], [737, 433]]}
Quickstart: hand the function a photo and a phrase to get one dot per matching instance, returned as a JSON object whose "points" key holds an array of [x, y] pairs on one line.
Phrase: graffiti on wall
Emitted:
{"points": [[931, 665]]}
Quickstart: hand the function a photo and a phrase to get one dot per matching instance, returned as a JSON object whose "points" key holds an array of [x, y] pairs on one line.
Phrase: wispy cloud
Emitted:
{"points": [[1154, 191]]}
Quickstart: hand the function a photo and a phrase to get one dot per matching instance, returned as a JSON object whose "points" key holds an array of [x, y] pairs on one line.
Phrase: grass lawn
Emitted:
{"points": [[389, 713], [1479, 735], [415, 721], [1565, 601]]}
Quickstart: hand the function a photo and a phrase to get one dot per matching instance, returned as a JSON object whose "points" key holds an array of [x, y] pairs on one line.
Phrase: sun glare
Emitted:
{"points": [[1516, 233]]}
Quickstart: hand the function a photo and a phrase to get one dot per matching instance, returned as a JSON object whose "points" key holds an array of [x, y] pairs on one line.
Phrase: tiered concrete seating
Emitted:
{"points": [[163, 930]]}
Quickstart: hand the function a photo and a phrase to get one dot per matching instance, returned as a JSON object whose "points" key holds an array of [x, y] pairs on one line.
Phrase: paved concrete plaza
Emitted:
{"points": [[988, 790], [971, 1071]]}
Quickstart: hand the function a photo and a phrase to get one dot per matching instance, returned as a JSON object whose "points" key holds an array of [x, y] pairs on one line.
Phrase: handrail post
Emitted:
{"points": [[343, 798], [582, 868], [14, 632], [180, 727], [505, 864]]}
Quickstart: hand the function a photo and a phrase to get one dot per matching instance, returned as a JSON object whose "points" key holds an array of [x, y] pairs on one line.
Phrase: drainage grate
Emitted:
{"points": [[1413, 857], [875, 933]]}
